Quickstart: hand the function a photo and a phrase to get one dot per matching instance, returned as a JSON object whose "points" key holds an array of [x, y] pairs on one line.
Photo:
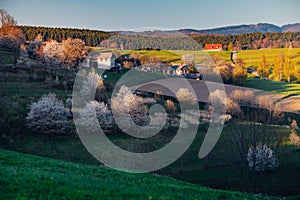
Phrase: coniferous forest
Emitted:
{"points": [[165, 40]]}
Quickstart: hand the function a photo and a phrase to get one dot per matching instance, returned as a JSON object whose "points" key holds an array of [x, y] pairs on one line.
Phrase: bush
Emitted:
{"points": [[103, 114], [48, 115], [185, 96], [243, 97], [53, 53], [12, 43], [219, 99], [11, 119], [262, 158], [126, 102], [294, 138], [94, 85], [171, 108]]}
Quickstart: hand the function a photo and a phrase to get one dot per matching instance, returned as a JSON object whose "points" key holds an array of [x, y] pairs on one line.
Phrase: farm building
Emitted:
{"points": [[182, 69], [102, 60], [213, 47]]}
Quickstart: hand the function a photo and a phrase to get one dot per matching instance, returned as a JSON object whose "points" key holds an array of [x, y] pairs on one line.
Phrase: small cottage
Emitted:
{"points": [[102, 60], [182, 69]]}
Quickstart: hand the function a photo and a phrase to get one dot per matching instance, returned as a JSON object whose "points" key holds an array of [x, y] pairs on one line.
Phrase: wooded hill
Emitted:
{"points": [[165, 39]]}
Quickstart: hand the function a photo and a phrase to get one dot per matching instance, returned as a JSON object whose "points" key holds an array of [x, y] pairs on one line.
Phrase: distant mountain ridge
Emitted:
{"points": [[241, 29]]}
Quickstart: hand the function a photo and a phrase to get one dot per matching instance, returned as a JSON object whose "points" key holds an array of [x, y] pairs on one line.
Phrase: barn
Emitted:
{"points": [[213, 47]]}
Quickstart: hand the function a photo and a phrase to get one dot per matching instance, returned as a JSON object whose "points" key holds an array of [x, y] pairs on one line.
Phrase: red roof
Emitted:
{"points": [[213, 47]]}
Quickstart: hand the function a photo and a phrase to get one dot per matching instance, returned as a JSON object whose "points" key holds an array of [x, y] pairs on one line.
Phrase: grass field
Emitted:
{"points": [[250, 57], [30, 177], [274, 86], [253, 57]]}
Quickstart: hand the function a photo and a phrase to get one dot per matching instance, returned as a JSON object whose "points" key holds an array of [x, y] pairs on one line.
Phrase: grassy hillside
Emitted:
{"points": [[25, 177], [250, 57], [274, 86], [253, 57]]}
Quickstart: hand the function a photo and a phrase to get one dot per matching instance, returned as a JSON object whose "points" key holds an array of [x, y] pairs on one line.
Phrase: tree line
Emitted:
{"points": [[90, 37], [282, 69], [252, 40], [163, 40]]}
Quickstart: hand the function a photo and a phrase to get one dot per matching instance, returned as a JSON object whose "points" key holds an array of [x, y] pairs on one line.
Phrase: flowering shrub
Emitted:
{"points": [[103, 115], [185, 96], [48, 115], [219, 99], [93, 85], [127, 102], [53, 52], [261, 158]]}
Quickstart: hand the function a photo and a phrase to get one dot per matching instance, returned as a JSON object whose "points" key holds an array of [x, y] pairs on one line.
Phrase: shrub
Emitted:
{"points": [[261, 158], [12, 43], [53, 53], [294, 138], [35, 49], [185, 96], [127, 102], [94, 85], [103, 114], [294, 125], [219, 99], [48, 115], [171, 108], [243, 97], [11, 118]]}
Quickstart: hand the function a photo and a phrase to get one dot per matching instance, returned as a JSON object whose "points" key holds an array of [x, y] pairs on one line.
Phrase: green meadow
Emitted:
{"points": [[31, 177], [250, 57]]}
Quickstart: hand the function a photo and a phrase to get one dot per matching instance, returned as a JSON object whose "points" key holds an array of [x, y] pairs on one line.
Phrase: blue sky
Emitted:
{"points": [[133, 14]]}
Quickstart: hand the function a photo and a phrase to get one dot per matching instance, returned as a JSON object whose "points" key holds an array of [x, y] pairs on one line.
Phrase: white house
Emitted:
{"points": [[102, 60], [182, 69]]}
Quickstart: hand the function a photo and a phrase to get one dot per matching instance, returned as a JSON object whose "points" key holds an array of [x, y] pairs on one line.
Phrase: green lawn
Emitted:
{"points": [[250, 57], [30, 177], [273, 86], [253, 57], [164, 55]]}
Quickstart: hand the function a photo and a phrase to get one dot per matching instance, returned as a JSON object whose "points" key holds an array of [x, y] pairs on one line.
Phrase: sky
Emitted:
{"points": [[111, 15]]}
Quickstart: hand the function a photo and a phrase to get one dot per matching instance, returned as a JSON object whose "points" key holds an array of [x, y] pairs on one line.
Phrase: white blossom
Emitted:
{"points": [[185, 96], [53, 52], [94, 113], [48, 115], [261, 158], [126, 102]]}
